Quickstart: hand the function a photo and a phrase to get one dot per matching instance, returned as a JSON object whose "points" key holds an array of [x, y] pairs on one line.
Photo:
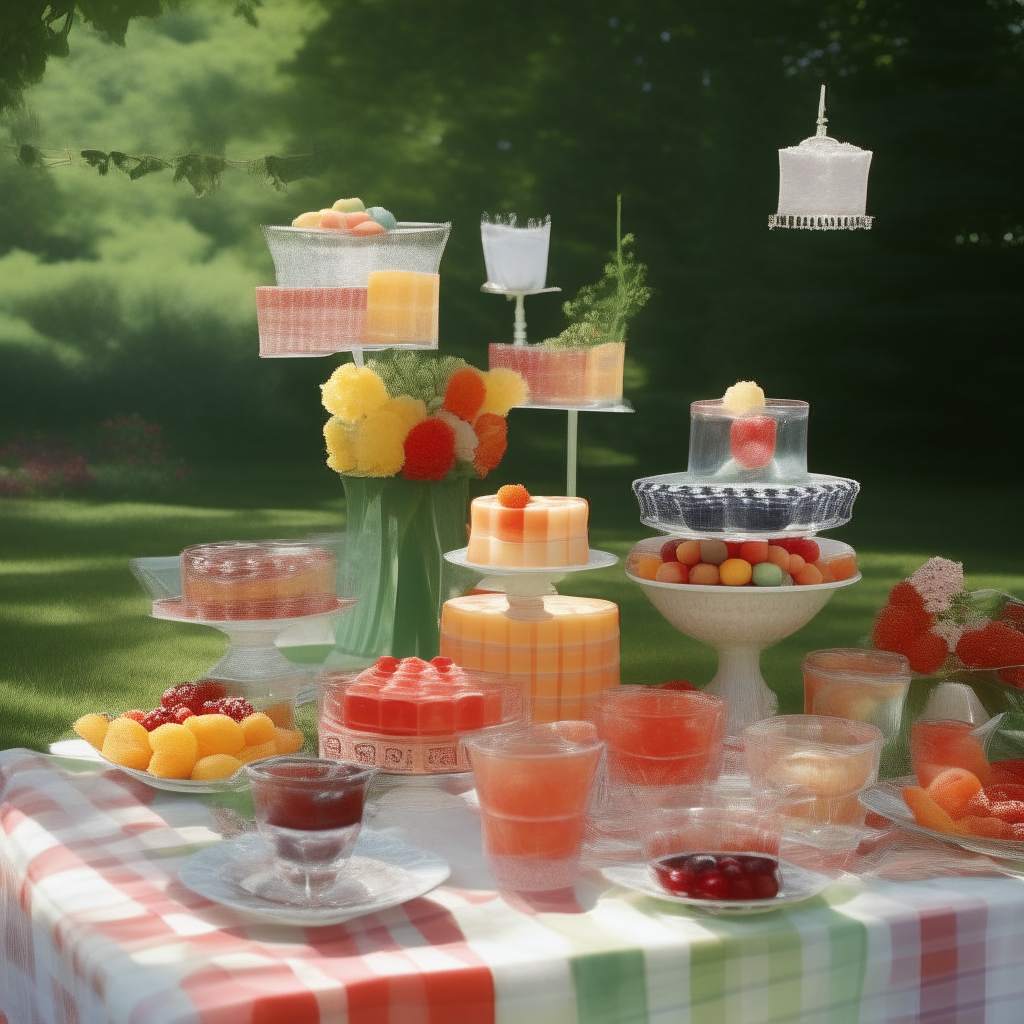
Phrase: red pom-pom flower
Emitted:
{"points": [[429, 451]]}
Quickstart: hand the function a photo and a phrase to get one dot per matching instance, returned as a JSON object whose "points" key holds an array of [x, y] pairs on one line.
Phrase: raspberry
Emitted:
{"points": [[928, 654], [135, 716], [752, 441], [155, 718], [235, 708], [899, 626], [183, 693], [181, 712], [995, 645], [1013, 613], [513, 496], [904, 593], [1013, 676]]}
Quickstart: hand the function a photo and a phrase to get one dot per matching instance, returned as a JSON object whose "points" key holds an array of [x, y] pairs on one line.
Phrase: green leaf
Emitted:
{"points": [[200, 171]]}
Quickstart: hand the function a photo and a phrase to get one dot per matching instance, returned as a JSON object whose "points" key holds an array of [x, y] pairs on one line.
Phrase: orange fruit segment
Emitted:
{"points": [[288, 741], [216, 766], [927, 813], [127, 743], [254, 753], [258, 728], [989, 828], [92, 729], [215, 734], [953, 789]]}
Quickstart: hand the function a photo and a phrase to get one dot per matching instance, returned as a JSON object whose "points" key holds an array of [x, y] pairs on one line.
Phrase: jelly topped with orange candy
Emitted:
{"points": [[787, 561]]}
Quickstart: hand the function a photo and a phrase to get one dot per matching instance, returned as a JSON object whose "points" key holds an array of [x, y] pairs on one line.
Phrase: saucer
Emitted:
{"points": [[797, 884], [382, 872]]}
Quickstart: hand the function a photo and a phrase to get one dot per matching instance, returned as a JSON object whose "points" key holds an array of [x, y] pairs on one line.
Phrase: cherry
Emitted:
{"points": [[712, 885]]}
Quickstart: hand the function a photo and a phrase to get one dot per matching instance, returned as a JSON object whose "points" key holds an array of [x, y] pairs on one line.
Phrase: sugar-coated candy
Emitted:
{"points": [[174, 739], [672, 572], [843, 567], [778, 556], [767, 574], [714, 552], [953, 789], [215, 766], [796, 563], [787, 580], [253, 753], [332, 219], [735, 572], [743, 396], [93, 729], [127, 744], [807, 576], [349, 205], [307, 220], [688, 552], [385, 218], [927, 813], [704, 574], [367, 227], [216, 734]]}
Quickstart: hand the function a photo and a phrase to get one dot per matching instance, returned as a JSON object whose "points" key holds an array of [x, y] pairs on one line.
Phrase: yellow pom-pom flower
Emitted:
{"points": [[409, 410], [379, 444], [341, 454], [505, 388], [353, 392]]}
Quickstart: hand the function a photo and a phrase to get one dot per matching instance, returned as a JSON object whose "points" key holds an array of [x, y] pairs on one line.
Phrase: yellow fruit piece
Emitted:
{"points": [[92, 729], [288, 741], [216, 766], [174, 739], [307, 220], [352, 205], [281, 714], [216, 734], [258, 728], [168, 764], [743, 396], [127, 744], [254, 753]]}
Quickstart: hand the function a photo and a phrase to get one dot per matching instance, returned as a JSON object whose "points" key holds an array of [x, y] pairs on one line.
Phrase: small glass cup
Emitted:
{"points": [[534, 788], [309, 812], [820, 763], [862, 685], [937, 744]]}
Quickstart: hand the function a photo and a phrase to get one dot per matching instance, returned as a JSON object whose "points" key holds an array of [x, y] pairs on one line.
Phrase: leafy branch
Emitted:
{"points": [[602, 312]]}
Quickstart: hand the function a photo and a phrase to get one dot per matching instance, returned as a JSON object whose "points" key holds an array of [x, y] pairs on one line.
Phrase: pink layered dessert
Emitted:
{"points": [[409, 715], [310, 321], [545, 531]]}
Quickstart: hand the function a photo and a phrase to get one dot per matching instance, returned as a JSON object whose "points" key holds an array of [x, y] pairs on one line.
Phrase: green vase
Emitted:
{"points": [[397, 532]]}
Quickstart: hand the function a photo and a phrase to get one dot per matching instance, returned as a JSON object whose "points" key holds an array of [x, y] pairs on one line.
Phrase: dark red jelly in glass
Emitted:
{"points": [[719, 876], [294, 800]]}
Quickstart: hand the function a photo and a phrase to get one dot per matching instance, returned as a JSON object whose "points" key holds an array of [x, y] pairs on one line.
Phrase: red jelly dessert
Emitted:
{"points": [[719, 876], [418, 698], [237, 580], [308, 794]]}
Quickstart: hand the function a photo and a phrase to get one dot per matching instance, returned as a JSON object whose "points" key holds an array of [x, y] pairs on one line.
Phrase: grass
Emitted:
{"points": [[77, 637]]}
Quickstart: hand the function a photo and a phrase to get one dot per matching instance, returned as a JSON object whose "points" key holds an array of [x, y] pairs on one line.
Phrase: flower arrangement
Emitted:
{"points": [[939, 625], [423, 416]]}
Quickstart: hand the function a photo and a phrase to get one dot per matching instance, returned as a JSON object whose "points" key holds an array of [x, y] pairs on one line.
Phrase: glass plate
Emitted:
{"points": [[382, 873], [598, 560], [886, 799], [797, 884]]}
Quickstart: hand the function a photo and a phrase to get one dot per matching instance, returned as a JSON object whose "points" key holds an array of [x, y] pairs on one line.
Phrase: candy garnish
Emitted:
{"points": [[744, 396], [513, 496]]}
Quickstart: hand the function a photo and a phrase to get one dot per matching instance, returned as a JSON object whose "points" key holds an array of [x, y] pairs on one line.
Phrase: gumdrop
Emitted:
{"points": [[93, 729], [843, 567], [647, 567], [368, 227], [1013, 613], [385, 218], [742, 397], [713, 552], [826, 573], [307, 220], [288, 741], [704, 575], [127, 744], [754, 551], [677, 684], [806, 548], [181, 713], [1010, 811], [668, 551], [688, 552], [216, 734], [953, 789], [808, 576], [672, 572], [258, 729], [767, 574], [215, 766], [735, 572], [778, 556], [353, 205], [927, 813], [168, 764], [1013, 676], [174, 739]]}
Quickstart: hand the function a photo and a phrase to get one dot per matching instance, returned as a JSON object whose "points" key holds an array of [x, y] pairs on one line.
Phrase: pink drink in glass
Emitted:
{"points": [[662, 737], [534, 787], [938, 745]]}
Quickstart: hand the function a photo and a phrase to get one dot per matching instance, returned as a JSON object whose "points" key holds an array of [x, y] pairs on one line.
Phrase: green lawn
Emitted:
{"points": [[76, 635]]}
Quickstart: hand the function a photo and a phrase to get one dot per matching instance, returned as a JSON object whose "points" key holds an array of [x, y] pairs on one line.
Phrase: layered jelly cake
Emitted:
{"points": [[242, 580], [409, 715], [565, 376], [514, 530], [564, 649], [309, 321], [402, 308]]}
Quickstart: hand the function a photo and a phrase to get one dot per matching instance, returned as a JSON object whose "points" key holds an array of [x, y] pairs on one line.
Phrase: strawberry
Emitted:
{"points": [[1010, 811], [927, 654], [181, 712], [899, 626], [183, 693], [157, 717], [234, 707], [905, 593], [994, 645], [135, 716], [752, 441]]}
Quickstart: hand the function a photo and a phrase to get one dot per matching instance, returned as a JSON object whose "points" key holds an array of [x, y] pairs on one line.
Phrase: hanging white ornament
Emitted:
{"points": [[823, 183]]}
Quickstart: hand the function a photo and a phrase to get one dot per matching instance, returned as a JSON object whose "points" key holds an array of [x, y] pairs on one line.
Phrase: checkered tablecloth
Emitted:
{"points": [[95, 928]]}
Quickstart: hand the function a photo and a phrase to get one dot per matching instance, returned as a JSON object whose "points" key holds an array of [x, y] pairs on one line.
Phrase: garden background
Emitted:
{"points": [[136, 417]]}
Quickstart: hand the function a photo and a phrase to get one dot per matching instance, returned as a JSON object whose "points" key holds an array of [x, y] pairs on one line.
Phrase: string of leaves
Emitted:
{"points": [[202, 171], [602, 312]]}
